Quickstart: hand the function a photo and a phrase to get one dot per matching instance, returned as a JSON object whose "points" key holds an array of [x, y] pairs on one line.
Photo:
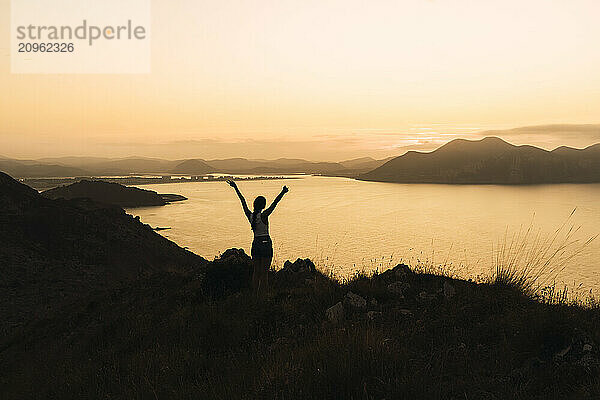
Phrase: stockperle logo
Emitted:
{"points": [[80, 36]]}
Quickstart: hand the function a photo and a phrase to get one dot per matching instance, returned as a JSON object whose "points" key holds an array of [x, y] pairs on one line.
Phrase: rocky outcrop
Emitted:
{"points": [[228, 273], [172, 198], [354, 301], [335, 313], [299, 272], [300, 266], [449, 290]]}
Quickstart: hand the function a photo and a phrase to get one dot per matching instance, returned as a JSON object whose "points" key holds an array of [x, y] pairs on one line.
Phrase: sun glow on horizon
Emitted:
{"points": [[351, 77]]}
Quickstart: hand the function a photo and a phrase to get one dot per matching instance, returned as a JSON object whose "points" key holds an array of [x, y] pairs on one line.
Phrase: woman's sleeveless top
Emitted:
{"points": [[260, 228]]}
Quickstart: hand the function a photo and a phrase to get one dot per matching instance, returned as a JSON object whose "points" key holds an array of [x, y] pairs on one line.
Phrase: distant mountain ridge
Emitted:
{"points": [[31, 169], [193, 167], [95, 166], [491, 161]]}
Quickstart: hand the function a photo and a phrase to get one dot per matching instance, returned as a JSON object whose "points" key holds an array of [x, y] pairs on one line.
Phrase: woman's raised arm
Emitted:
{"points": [[271, 208], [242, 199]]}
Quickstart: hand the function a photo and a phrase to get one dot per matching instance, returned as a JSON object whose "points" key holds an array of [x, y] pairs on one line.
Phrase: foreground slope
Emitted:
{"points": [[398, 334], [491, 161]]}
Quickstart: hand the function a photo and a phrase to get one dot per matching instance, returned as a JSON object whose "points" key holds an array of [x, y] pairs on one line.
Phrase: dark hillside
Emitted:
{"points": [[54, 252]]}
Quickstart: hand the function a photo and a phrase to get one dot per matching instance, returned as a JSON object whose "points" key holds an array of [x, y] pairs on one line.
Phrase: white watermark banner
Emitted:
{"points": [[80, 36]]}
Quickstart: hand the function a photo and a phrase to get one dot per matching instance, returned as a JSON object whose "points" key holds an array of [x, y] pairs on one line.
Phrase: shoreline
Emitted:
{"points": [[49, 183]]}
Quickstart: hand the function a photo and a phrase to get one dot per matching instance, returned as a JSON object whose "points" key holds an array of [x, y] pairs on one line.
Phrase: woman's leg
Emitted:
{"points": [[255, 265], [256, 274], [265, 268], [260, 278]]}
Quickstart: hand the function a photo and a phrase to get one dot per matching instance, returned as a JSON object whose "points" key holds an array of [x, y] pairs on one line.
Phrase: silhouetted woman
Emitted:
{"points": [[262, 247]]}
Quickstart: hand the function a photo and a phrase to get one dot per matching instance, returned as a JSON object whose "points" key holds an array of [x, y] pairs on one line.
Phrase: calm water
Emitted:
{"points": [[346, 225]]}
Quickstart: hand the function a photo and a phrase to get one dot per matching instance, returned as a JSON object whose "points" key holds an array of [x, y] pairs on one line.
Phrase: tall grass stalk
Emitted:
{"points": [[531, 261]]}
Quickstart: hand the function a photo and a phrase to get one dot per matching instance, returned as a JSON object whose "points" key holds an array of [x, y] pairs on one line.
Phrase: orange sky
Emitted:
{"points": [[336, 79]]}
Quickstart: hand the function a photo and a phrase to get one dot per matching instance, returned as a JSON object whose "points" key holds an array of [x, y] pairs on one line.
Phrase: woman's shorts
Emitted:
{"points": [[262, 247]]}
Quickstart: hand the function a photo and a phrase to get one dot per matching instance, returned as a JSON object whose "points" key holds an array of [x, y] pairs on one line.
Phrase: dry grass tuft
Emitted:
{"points": [[531, 261]]}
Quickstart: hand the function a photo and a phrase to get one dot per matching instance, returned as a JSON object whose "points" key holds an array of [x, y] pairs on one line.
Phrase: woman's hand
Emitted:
{"points": [[285, 189], [232, 183]]}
